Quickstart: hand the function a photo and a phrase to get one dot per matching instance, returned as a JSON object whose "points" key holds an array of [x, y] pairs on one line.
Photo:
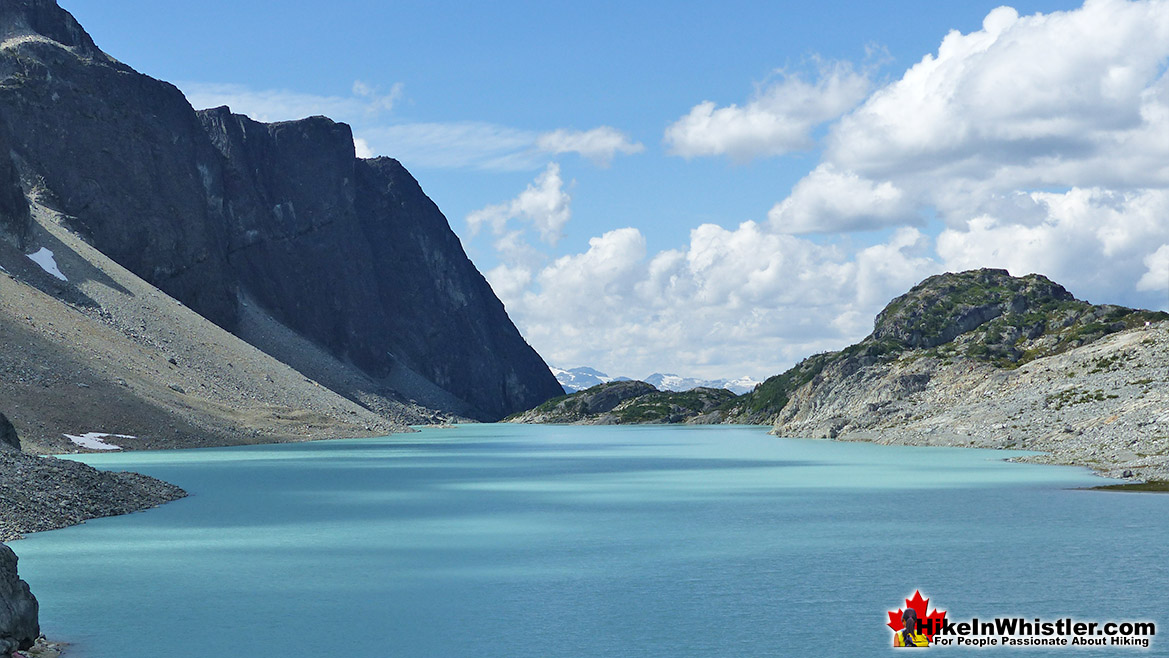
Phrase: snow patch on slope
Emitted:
{"points": [[45, 259], [95, 440]]}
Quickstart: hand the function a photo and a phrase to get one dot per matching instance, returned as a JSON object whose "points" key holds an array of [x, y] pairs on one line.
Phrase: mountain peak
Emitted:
{"points": [[22, 20], [944, 306]]}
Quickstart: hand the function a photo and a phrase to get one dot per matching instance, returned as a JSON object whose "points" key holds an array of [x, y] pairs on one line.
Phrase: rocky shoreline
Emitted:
{"points": [[45, 493], [1104, 406]]}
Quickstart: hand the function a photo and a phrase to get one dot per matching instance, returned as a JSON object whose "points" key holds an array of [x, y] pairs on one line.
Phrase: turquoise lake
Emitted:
{"points": [[503, 540]]}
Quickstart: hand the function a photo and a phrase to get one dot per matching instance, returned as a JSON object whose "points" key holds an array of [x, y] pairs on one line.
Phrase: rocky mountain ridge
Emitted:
{"points": [[217, 211]]}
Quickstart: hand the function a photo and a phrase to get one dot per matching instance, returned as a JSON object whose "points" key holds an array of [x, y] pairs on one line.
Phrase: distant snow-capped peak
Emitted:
{"points": [[577, 379]]}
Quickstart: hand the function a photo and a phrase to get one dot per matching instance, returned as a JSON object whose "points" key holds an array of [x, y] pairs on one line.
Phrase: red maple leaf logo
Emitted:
{"points": [[930, 623]]}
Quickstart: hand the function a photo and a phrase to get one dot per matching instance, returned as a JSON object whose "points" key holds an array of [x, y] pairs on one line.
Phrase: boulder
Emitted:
{"points": [[19, 627], [8, 438]]}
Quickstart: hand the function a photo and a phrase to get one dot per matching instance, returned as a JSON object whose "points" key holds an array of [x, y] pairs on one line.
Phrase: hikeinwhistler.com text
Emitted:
{"points": [[1020, 632]]}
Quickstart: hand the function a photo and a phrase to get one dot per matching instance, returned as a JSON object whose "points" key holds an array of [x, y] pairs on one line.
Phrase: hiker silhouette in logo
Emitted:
{"points": [[908, 636]]}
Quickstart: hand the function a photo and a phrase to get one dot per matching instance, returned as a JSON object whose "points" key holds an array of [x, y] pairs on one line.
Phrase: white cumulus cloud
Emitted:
{"points": [[1098, 243], [777, 120], [543, 204], [1156, 277], [747, 300], [829, 200], [1075, 98]]}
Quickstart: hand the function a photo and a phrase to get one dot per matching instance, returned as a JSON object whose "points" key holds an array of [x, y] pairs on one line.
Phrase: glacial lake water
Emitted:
{"points": [[517, 541]]}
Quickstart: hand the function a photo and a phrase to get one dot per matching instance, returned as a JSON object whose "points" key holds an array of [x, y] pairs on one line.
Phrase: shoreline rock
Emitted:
{"points": [[19, 623]]}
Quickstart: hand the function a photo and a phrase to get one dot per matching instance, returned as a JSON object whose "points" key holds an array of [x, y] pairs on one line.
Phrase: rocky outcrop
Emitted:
{"points": [[631, 403], [214, 208], [943, 307], [1104, 405], [985, 359], [8, 438], [979, 319], [19, 625], [44, 493]]}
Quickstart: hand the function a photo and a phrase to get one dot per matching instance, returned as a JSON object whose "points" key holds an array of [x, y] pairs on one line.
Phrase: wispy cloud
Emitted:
{"points": [[446, 145], [365, 103], [599, 144], [457, 145]]}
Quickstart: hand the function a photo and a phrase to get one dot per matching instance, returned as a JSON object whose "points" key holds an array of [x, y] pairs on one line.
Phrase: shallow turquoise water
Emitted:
{"points": [[502, 540]]}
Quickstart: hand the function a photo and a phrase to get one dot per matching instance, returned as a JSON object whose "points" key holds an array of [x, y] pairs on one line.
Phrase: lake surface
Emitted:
{"points": [[503, 540]]}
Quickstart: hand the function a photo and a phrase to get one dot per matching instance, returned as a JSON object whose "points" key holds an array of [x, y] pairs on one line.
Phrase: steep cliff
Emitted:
{"points": [[353, 255], [119, 152], [216, 209]]}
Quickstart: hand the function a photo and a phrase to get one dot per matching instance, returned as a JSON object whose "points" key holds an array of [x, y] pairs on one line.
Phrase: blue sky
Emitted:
{"points": [[720, 190]]}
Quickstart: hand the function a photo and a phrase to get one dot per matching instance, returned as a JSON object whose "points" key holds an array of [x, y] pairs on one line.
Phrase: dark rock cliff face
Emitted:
{"points": [[8, 438], [120, 152], [212, 206], [352, 254], [14, 216], [19, 626]]}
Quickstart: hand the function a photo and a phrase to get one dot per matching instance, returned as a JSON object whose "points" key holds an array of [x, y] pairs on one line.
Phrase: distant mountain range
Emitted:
{"points": [[578, 379]]}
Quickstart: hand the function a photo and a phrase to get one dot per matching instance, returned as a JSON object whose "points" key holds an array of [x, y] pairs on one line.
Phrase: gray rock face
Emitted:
{"points": [[15, 220], [19, 626], [309, 221], [212, 206], [120, 152], [8, 438]]}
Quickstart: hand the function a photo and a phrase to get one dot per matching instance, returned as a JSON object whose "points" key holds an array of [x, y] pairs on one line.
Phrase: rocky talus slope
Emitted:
{"points": [[984, 359], [630, 402], [106, 352], [1105, 405], [45, 493], [237, 218]]}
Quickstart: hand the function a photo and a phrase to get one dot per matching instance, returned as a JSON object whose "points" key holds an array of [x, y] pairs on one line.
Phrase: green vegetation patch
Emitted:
{"points": [[664, 405], [772, 395], [1152, 486], [1075, 395]]}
